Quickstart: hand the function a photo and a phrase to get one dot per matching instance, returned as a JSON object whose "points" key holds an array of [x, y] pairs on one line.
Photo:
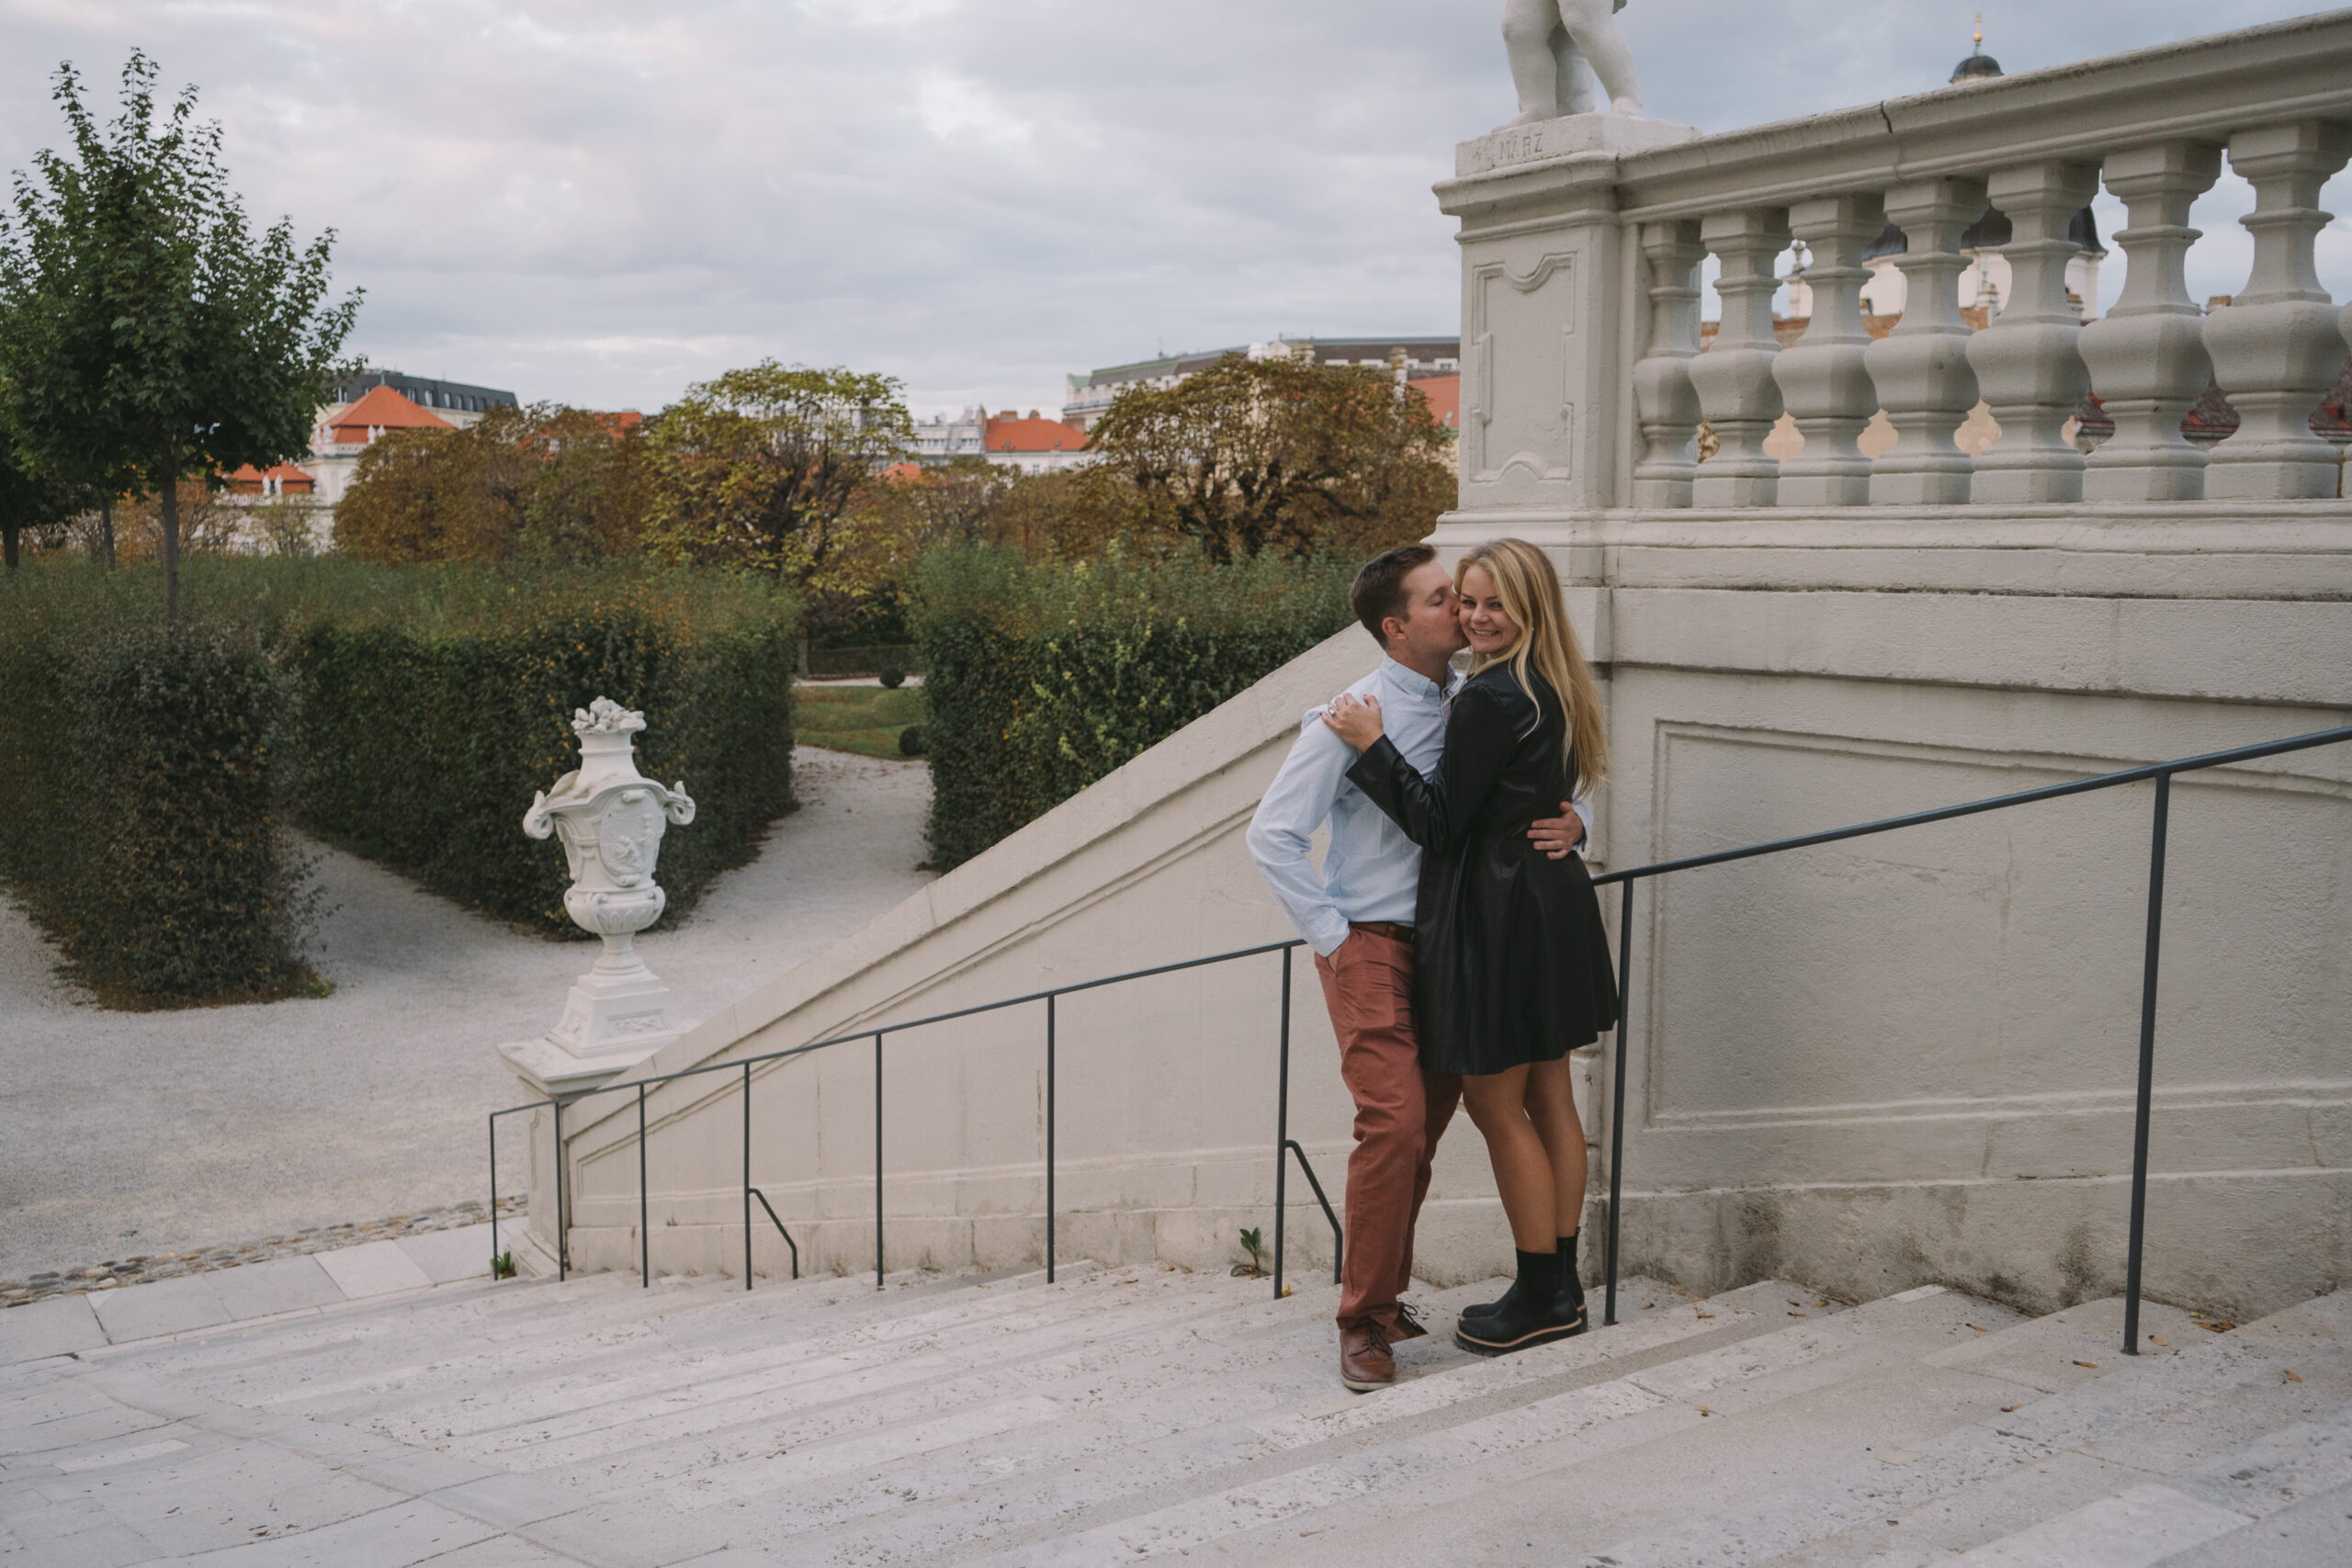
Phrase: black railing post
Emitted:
{"points": [[562, 1241], [493, 1194], [1282, 1128], [2148, 964], [747, 1176], [644, 1199], [878, 1159], [1050, 1138], [1617, 1093]]}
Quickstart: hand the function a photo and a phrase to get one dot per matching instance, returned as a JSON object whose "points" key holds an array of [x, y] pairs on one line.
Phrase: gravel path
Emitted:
{"points": [[125, 1133]]}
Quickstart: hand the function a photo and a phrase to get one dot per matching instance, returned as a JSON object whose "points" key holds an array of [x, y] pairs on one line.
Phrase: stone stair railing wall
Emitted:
{"points": [[1868, 1066], [1915, 1060]]}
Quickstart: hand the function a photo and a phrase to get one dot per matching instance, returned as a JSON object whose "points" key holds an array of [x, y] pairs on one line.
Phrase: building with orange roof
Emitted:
{"points": [[373, 403], [1030, 442], [1035, 445], [283, 480], [345, 430]]}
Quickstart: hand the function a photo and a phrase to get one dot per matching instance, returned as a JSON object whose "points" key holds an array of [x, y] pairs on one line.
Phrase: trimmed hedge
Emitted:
{"points": [[142, 779], [430, 717], [405, 712], [1040, 679]]}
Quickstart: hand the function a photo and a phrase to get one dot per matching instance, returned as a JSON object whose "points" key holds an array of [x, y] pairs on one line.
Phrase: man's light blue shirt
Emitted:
{"points": [[1371, 870]]}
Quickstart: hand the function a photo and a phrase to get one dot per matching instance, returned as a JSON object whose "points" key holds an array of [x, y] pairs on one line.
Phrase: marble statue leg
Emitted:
{"points": [[1593, 24], [1573, 81], [1527, 27]]}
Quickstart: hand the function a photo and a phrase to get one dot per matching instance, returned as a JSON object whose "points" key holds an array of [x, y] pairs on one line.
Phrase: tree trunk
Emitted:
{"points": [[804, 655], [8, 544], [171, 514], [105, 532]]}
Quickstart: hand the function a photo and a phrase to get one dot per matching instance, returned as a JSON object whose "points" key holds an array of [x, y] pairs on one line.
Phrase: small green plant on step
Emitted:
{"points": [[503, 1266], [1253, 1242]]}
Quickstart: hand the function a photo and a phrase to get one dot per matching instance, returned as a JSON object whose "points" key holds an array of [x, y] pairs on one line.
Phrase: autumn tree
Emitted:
{"points": [[547, 483], [1255, 454], [760, 466], [147, 333]]}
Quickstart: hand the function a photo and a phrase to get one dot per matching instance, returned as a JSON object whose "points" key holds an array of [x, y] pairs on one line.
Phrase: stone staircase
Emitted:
{"points": [[1145, 1413]]}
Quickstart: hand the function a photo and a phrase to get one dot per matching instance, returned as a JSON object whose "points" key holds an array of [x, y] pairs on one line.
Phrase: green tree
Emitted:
{"points": [[760, 467], [32, 504], [147, 333], [1253, 455]]}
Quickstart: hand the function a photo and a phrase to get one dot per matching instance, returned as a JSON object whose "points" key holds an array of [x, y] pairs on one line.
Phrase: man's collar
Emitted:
{"points": [[1407, 679]]}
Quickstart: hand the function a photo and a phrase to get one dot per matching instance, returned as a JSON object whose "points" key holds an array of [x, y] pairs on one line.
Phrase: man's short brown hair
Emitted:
{"points": [[1379, 589]]}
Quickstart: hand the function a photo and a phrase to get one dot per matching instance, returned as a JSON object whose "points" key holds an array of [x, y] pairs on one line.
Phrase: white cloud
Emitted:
{"points": [[600, 200]]}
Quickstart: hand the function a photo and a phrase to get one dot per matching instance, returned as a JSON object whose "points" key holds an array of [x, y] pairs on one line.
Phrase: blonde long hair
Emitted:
{"points": [[1530, 591]]}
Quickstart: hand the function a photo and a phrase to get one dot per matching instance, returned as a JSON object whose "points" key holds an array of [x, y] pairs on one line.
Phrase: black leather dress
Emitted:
{"points": [[1511, 964]]}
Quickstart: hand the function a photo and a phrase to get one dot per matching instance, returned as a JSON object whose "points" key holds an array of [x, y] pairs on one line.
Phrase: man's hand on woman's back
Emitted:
{"points": [[1558, 836]]}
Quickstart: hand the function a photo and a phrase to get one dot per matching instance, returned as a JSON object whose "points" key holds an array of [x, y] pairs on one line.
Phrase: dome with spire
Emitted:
{"points": [[1979, 66]]}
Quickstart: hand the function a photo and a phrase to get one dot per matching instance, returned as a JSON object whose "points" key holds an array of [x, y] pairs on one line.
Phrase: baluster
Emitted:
{"points": [[1921, 368], [2276, 349], [1733, 378], [2027, 364], [1669, 404], [1823, 378], [2147, 355]]}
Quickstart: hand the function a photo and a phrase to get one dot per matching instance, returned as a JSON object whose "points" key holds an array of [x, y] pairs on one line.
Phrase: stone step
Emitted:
{"points": [[1343, 1485], [1115, 1387], [1149, 1413], [1122, 1437], [572, 1420], [389, 1352], [2310, 1341], [556, 1396], [2227, 1495], [1836, 1479]]}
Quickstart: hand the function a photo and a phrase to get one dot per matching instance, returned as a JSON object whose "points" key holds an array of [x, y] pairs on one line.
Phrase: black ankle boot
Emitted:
{"points": [[1531, 1313], [1571, 1286]]}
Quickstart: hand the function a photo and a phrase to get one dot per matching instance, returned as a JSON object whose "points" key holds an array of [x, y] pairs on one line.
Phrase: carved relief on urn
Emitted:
{"points": [[609, 819]]}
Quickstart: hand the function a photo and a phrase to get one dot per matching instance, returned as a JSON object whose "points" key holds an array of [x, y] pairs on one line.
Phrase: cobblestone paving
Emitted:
{"points": [[140, 1269]]}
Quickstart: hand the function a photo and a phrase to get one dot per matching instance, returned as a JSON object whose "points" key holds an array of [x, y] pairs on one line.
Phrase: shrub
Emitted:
{"points": [[1040, 679], [892, 676], [911, 741], [143, 778], [438, 701]]}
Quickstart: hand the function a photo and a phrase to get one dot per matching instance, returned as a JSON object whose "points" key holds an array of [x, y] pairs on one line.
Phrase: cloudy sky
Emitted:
{"points": [[602, 201]]}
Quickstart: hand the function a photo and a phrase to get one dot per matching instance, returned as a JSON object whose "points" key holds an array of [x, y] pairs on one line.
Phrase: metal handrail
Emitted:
{"points": [[1628, 879], [780, 1230], [2162, 773], [1284, 1142]]}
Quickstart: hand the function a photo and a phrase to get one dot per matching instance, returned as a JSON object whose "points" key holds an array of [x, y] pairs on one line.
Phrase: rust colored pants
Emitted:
{"points": [[1401, 1112]]}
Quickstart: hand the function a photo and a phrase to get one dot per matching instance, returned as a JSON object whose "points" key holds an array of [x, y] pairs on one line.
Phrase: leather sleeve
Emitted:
{"points": [[1436, 812]]}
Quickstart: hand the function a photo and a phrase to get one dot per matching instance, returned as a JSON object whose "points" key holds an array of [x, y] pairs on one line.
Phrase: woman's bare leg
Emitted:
{"points": [[1552, 1108], [1498, 1104]]}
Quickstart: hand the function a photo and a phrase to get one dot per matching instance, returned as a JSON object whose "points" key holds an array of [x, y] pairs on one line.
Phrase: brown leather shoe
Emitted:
{"points": [[1364, 1361], [1407, 1325]]}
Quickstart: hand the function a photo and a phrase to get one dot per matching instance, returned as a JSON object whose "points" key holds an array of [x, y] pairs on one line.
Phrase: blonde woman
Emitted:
{"points": [[1512, 968]]}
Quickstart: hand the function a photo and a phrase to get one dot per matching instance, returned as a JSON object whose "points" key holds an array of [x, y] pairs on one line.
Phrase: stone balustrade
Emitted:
{"points": [[1582, 239]]}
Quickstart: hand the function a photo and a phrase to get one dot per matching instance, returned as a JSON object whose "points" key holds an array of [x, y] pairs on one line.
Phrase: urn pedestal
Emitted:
{"points": [[610, 819]]}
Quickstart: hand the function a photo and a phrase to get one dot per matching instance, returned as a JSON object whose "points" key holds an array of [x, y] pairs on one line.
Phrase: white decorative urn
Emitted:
{"points": [[610, 819]]}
